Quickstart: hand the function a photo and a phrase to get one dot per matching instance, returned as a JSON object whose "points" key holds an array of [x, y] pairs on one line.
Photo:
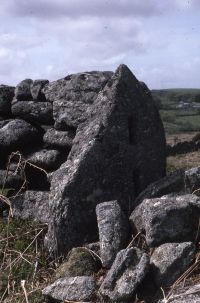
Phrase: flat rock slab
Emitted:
{"points": [[170, 260], [127, 272], [113, 231], [167, 219], [108, 160], [81, 288], [32, 205]]}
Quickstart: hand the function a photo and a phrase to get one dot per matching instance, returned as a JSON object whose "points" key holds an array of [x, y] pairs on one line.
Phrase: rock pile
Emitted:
{"points": [[169, 226], [92, 149]]}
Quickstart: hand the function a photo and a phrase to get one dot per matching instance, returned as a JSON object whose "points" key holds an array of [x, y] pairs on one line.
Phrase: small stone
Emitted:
{"points": [[113, 231], [170, 260], [81, 288], [127, 272]]}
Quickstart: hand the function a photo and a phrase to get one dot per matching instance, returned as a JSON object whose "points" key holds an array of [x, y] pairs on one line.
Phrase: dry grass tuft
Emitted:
{"points": [[25, 267]]}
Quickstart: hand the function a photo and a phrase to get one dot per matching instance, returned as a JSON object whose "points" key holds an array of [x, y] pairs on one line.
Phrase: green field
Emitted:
{"points": [[177, 119]]}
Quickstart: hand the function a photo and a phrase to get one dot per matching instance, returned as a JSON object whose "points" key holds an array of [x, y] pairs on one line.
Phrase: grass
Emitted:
{"points": [[23, 258]]}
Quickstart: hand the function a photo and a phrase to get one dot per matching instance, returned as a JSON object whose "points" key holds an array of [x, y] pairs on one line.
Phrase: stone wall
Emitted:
{"points": [[84, 139]]}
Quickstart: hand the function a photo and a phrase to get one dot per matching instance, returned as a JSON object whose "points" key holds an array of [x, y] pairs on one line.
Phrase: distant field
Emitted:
{"points": [[177, 109], [185, 161]]}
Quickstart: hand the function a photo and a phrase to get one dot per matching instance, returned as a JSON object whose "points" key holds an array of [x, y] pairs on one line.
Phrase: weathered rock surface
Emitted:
{"points": [[81, 262], [33, 111], [47, 159], [36, 89], [23, 90], [6, 96], [113, 231], [71, 289], [94, 247], [73, 95], [174, 182], [179, 181], [31, 205], [127, 272], [192, 178], [58, 139], [170, 260], [37, 178], [17, 134], [108, 160], [186, 295], [167, 219], [10, 179]]}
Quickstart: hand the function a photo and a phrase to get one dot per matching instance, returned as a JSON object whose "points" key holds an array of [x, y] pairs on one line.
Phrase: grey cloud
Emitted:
{"points": [[76, 8]]}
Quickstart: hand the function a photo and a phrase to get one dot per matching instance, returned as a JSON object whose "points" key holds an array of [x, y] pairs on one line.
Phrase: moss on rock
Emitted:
{"points": [[80, 262]]}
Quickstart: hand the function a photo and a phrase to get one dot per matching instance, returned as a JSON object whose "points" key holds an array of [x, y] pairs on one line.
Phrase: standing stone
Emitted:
{"points": [[6, 96], [127, 272], [121, 140], [170, 260], [72, 96], [113, 231]]}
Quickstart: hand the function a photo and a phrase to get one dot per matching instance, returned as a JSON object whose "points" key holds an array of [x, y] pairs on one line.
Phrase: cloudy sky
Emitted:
{"points": [[158, 39]]}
